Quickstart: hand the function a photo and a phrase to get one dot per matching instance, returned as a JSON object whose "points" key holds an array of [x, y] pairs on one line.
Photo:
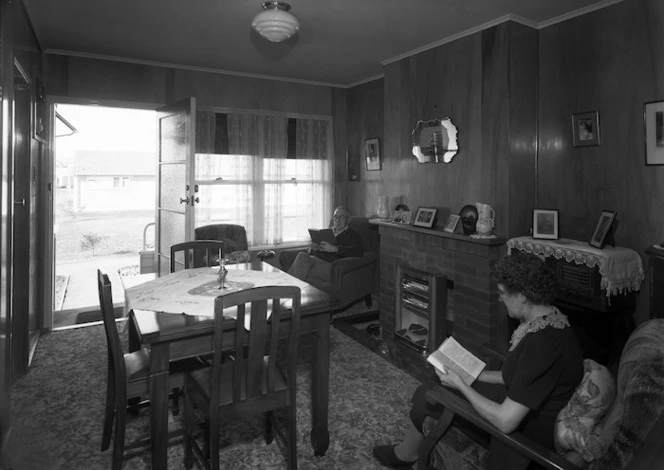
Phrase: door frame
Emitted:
{"points": [[46, 208]]}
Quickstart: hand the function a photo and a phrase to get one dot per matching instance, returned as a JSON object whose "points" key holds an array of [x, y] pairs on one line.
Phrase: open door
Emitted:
{"points": [[25, 321], [176, 191]]}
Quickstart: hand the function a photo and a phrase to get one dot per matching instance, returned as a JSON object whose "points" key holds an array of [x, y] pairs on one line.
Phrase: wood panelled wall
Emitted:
{"points": [[364, 120], [486, 83], [511, 92], [84, 78], [612, 61]]}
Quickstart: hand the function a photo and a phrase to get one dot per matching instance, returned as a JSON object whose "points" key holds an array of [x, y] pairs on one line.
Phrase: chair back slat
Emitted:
{"points": [[256, 348], [114, 346], [251, 371], [275, 322], [196, 254]]}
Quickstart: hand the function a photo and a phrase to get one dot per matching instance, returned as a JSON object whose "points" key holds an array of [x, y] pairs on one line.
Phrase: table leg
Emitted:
{"points": [[320, 386], [159, 357], [134, 342]]}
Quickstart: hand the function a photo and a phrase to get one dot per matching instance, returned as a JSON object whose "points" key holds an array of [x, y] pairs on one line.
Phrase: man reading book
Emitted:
{"points": [[313, 266], [542, 369]]}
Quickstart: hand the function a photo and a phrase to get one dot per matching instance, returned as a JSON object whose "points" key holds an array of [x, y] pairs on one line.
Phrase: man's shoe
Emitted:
{"points": [[386, 456]]}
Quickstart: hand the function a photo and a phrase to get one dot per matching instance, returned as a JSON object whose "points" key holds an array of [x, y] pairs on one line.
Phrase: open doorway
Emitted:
{"points": [[103, 204]]}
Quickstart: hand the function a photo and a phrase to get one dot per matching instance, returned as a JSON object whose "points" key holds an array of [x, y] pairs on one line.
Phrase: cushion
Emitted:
{"points": [[238, 257], [589, 403], [639, 403]]}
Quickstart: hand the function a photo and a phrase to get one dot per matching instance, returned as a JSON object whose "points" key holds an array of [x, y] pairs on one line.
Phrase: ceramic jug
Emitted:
{"points": [[486, 218]]}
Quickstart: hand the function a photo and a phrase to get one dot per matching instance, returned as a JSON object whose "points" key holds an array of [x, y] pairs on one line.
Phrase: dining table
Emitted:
{"points": [[173, 316]]}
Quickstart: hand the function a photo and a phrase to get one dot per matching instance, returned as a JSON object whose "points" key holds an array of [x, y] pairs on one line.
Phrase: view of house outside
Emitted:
{"points": [[104, 197]]}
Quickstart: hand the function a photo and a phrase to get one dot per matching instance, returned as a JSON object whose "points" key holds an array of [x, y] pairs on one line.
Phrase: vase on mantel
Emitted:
{"points": [[383, 209]]}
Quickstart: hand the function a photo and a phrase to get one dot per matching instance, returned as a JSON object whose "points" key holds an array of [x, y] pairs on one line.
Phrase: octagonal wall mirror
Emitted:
{"points": [[435, 141]]}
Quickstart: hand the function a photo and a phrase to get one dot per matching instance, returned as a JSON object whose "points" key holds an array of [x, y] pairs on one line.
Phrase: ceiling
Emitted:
{"points": [[340, 43]]}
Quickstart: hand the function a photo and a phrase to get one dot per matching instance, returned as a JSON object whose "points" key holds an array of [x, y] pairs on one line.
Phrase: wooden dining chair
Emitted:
{"points": [[196, 254], [127, 379], [252, 382]]}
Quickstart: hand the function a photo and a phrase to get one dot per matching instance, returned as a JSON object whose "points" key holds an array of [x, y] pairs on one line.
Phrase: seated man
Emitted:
{"points": [[314, 265]]}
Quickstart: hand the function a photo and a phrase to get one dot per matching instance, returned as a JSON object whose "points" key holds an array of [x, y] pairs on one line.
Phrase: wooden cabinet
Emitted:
{"points": [[656, 280]]}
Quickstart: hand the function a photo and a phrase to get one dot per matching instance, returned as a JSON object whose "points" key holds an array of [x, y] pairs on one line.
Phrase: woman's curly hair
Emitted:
{"points": [[527, 274]]}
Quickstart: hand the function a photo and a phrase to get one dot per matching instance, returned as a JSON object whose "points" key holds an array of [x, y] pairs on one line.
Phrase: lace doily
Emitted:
{"points": [[554, 319], [621, 269]]}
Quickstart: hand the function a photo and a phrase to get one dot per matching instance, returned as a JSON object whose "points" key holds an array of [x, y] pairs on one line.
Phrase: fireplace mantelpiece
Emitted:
{"points": [[473, 309]]}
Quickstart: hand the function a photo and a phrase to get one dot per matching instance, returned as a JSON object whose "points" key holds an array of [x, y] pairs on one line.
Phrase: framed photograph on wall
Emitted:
{"points": [[372, 154], [425, 217], [653, 123], [545, 224], [603, 231], [585, 129], [452, 223]]}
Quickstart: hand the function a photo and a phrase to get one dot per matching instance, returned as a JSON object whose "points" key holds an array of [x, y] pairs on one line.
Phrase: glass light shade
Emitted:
{"points": [[275, 23]]}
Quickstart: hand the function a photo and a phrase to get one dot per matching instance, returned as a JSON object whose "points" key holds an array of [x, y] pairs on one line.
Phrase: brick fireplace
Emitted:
{"points": [[473, 312]]}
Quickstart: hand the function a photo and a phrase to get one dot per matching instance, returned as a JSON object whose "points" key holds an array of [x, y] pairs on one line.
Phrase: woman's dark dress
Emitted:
{"points": [[542, 373]]}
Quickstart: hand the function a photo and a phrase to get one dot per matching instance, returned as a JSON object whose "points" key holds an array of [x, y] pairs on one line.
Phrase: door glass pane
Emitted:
{"points": [[172, 231], [173, 137], [172, 187]]}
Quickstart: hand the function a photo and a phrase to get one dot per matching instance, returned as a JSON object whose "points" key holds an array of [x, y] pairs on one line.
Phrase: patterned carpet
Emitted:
{"points": [[57, 410]]}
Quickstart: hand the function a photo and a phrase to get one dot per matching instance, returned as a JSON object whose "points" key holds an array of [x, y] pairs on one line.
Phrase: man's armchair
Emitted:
{"points": [[627, 436], [352, 278]]}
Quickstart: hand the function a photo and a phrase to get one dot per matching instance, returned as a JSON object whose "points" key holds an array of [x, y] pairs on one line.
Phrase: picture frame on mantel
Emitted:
{"points": [[545, 224], [425, 217], [603, 231], [653, 126], [452, 224], [372, 154], [585, 129]]}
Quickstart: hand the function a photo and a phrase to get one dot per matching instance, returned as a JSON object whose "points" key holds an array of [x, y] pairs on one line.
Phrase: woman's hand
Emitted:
{"points": [[327, 247], [450, 379]]}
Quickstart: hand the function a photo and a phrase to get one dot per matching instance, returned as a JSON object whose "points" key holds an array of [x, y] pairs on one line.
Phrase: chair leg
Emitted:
{"points": [[268, 435], [206, 438], [214, 442], [176, 401], [120, 423], [188, 432], [432, 439], [109, 412], [292, 437]]}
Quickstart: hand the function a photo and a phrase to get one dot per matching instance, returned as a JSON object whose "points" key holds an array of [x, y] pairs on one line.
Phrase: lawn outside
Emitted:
{"points": [[120, 233]]}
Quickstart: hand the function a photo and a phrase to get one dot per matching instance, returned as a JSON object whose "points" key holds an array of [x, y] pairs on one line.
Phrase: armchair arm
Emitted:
{"points": [[456, 405], [342, 266]]}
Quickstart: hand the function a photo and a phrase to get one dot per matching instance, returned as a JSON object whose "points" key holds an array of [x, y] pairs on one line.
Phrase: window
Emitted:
{"points": [[121, 182], [273, 179]]}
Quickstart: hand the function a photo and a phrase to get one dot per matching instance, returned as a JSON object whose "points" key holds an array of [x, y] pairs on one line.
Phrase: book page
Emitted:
{"points": [[323, 235], [452, 355]]}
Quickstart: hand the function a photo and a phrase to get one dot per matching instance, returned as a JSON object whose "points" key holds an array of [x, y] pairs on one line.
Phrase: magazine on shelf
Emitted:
{"points": [[322, 235], [451, 355]]}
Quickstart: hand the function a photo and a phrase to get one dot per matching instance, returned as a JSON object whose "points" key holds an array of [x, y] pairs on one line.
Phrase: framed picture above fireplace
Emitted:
{"points": [[425, 217]]}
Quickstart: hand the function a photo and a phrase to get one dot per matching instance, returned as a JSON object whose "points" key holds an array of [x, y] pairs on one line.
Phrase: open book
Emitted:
{"points": [[323, 235], [452, 355]]}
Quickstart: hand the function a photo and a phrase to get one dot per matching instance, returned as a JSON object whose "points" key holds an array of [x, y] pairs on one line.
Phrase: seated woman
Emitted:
{"points": [[314, 265], [541, 371]]}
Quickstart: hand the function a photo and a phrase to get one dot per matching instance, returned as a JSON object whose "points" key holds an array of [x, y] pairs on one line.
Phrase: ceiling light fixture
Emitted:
{"points": [[275, 23]]}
